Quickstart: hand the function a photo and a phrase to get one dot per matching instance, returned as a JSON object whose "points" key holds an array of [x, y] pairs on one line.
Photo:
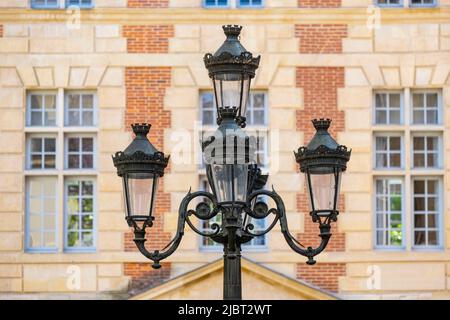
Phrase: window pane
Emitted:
{"points": [[88, 101], [36, 102], [87, 161], [426, 210], [73, 161], [419, 143], [432, 100], [49, 161], [419, 160], [432, 117], [394, 100], [88, 144], [381, 143], [418, 100], [36, 145], [419, 238], [74, 118], [74, 144], [381, 117], [88, 118], [395, 143], [50, 145], [73, 101], [394, 116], [418, 117]]}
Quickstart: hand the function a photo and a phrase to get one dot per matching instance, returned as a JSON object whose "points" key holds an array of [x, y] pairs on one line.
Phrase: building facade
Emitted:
{"points": [[75, 74]]}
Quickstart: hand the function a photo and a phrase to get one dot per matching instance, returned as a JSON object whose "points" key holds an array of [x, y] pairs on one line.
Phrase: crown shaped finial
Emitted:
{"points": [[228, 112], [232, 30], [141, 129], [321, 124]]}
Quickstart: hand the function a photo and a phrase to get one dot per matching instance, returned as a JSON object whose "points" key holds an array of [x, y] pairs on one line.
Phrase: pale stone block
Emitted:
{"points": [[5, 142], [358, 119], [9, 78], [95, 74], [266, 71], [289, 140], [12, 119], [27, 75], [284, 77], [355, 222], [277, 242], [109, 141], [281, 118], [181, 98], [13, 45], [407, 73], [111, 119], [11, 182], [360, 162], [10, 221], [285, 97], [352, 284], [10, 202], [10, 285], [441, 74], [358, 202], [356, 45], [255, 45], [445, 43], [287, 182], [184, 45], [356, 182], [190, 242], [105, 163], [358, 269], [182, 77], [171, 221], [179, 181], [210, 43], [290, 200], [110, 201], [112, 221], [114, 77], [61, 75], [356, 3], [198, 73], [110, 241], [350, 98], [391, 76], [446, 96], [407, 38], [423, 76], [111, 3], [57, 277], [111, 45], [280, 31], [183, 4], [107, 31], [184, 119], [373, 73], [359, 31], [296, 221], [355, 77], [77, 77], [116, 284], [109, 270], [14, 4], [282, 162], [45, 76], [281, 3], [77, 45], [283, 45], [445, 29], [252, 32], [10, 241], [10, 270], [187, 31], [112, 97], [11, 163], [15, 30], [358, 241]]}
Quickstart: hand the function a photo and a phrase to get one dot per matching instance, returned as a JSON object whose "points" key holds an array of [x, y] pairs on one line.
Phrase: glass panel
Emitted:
{"points": [[88, 118], [140, 195], [88, 144], [419, 187], [88, 222], [88, 101], [381, 117], [323, 190], [419, 221], [87, 205], [36, 145], [50, 145], [72, 239], [419, 203], [73, 205], [432, 117], [74, 118], [395, 160], [87, 239], [74, 101], [74, 222], [419, 143], [381, 143], [230, 181], [432, 100], [394, 100], [74, 144], [432, 221], [87, 161], [419, 238], [36, 162], [419, 160], [36, 101], [418, 116], [74, 161], [394, 116], [87, 188], [432, 238], [418, 100]]}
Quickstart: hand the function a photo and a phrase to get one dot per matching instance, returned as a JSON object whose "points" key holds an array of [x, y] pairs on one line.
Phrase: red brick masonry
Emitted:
{"points": [[320, 38], [148, 39]]}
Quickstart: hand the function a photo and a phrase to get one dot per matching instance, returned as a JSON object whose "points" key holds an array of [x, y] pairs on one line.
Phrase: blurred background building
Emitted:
{"points": [[75, 74]]}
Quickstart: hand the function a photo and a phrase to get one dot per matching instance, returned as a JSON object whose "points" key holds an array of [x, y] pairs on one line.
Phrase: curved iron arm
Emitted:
{"points": [[280, 212], [202, 211]]}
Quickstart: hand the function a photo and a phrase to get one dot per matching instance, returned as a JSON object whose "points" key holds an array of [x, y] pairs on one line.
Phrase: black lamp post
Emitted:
{"points": [[236, 181]]}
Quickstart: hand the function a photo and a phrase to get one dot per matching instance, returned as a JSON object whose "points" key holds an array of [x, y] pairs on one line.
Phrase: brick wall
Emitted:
{"points": [[320, 38], [323, 275], [148, 3], [319, 3], [144, 277], [320, 85], [145, 90], [148, 39]]}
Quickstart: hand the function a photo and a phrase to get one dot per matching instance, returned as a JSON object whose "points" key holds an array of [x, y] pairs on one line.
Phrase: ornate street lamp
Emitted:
{"points": [[236, 182]]}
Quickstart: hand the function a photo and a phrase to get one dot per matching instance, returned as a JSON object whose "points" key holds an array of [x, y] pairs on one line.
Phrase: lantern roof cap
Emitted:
{"points": [[140, 156]]}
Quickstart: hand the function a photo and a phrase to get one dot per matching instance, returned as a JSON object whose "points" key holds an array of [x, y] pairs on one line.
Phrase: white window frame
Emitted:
{"points": [[251, 5], [439, 160], [80, 5], [388, 108], [439, 107], [27, 247], [41, 93], [80, 152], [440, 229], [389, 134], [33, 5], [423, 5], [95, 215], [94, 105], [384, 229], [389, 5], [28, 160], [229, 4]]}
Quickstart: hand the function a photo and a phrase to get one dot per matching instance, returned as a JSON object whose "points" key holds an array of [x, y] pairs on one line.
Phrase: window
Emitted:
{"points": [[59, 160], [388, 151], [44, 4], [389, 3], [79, 208], [388, 108], [250, 3], [80, 3], [215, 3], [41, 109], [426, 212], [422, 3], [41, 214], [425, 108], [426, 151], [41, 152], [80, 109], [389, 212], [80, 152]]}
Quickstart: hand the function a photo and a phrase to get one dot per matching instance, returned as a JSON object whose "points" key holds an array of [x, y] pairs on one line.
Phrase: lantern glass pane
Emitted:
{"points": [[229, 181], [323, 191], [229, 88], [141, 194]]}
